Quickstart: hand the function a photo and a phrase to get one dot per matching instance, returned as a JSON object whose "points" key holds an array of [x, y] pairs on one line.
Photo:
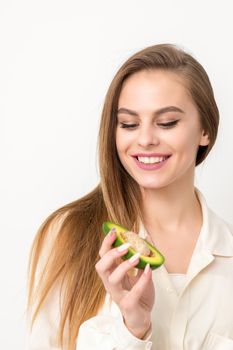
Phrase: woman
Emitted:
{"points": [[159, 122]]}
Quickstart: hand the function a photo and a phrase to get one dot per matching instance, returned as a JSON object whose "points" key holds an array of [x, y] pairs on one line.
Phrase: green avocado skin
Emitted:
{"points": [[154, 262]]}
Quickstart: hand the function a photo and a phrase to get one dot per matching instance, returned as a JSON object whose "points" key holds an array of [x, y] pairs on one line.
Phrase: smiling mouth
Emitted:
{"points": [[152, 160]]}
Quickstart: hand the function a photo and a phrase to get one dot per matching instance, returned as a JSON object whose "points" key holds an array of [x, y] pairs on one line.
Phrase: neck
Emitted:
{"points": [[171, 209]]}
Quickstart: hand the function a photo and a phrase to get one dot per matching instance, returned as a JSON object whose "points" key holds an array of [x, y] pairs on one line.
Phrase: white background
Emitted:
{"points": [[57, 59]]}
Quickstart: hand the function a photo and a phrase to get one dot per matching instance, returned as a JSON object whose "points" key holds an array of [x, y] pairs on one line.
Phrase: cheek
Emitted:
{"points": [[123, 141], [118, 142], [187, 141]]}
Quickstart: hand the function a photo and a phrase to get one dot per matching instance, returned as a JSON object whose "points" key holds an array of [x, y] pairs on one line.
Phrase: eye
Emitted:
{"points": [[127, 126], [169, 124], [162, 125]]}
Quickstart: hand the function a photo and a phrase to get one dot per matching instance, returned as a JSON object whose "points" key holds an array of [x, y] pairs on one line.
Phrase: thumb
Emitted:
{"points": [[143, 279]]}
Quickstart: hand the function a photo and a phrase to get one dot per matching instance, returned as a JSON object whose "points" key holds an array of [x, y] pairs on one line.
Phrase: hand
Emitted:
{"points": [[134, 295]]}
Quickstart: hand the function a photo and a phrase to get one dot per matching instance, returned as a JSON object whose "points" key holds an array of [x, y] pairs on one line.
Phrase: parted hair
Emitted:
{"points": [[66, 247]]}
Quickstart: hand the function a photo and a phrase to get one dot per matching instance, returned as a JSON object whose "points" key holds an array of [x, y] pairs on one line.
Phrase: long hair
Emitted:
{"points": [[65, 249]]}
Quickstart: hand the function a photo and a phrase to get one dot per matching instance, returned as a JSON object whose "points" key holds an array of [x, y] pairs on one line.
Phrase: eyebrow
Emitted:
{"points": [[158, 112]]}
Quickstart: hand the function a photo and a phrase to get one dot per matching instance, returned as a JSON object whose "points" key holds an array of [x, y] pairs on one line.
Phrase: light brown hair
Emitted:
{"points": [[65, 249]]}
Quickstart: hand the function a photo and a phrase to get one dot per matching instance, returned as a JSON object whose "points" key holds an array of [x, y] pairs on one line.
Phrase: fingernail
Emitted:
{"points": [[133, 272], [134, 258], [147, 269], [123, 247], [112, 232]]}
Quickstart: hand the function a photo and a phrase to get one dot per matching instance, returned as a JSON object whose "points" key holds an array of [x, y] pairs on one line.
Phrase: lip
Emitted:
{"points": [[150, 166], [150, 155]]}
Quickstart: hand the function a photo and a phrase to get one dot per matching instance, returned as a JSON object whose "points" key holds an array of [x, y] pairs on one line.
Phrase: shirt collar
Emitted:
{"points": [[216, 236]]}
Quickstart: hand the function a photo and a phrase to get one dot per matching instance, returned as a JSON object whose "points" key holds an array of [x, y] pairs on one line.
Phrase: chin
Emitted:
{"points": [[151, 185]]}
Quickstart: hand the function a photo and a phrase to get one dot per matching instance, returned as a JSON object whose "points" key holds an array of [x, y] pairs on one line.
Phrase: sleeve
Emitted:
{"points": [[107, 331], [44, 332], [103, 332]]}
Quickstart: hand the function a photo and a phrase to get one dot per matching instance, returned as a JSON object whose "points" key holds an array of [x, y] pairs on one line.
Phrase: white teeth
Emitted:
{"points": [[151, 160]]}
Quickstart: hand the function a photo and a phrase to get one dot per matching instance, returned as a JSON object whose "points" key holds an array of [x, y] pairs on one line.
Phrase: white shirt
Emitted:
{"points": [[178, 281], [199, 316]]}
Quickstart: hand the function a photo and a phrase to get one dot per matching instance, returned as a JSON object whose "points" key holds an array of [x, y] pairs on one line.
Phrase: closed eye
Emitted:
{"points": [[169, 124], [127, 126], [163, 125]]}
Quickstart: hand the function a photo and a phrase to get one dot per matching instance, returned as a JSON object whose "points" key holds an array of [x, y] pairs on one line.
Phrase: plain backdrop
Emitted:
{"points": [[57, 59]]}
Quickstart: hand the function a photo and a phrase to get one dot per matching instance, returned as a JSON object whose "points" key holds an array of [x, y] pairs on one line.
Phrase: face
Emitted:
{"points": [[158, 129]]}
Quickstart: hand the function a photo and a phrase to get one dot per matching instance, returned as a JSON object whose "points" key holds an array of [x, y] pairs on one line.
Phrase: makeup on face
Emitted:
{"points": [[158, 128]]}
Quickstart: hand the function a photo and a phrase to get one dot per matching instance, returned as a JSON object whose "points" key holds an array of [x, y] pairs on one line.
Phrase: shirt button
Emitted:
{"points": [[169, 290], [148, 346]]}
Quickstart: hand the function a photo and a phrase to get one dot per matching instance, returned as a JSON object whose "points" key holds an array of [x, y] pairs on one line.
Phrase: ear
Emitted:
{"points": [[204, 140]]}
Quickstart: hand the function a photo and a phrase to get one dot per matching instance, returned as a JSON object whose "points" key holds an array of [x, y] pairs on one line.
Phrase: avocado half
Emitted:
{"points": [[155, 259]]}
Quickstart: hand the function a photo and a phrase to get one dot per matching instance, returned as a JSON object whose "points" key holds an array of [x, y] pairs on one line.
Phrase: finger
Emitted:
{"points": [[107, 263], [107, 242], [117, 276], [141, 286], [134, 275], [116, 283]]}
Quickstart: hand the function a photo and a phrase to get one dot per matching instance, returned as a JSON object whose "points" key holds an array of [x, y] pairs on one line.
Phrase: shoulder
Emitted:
{"points": [[213, 219], [219, 222], [220, 235], [217, 233]]}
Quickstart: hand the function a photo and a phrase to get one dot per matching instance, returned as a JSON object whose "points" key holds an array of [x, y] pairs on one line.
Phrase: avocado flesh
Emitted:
{"points": [[155, 258]]}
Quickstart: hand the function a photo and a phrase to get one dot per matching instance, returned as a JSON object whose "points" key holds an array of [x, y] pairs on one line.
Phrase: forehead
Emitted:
{"points": [[148, 88]]}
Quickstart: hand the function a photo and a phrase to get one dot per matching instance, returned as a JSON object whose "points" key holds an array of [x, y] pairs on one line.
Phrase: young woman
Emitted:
{"points": [[159, 122]]}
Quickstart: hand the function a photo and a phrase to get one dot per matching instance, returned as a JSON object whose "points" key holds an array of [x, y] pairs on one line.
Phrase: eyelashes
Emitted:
{"points": [[162, 125], [127, 126]]}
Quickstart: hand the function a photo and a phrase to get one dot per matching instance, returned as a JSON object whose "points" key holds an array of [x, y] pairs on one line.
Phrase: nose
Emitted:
{"points": [[147, 136]]}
